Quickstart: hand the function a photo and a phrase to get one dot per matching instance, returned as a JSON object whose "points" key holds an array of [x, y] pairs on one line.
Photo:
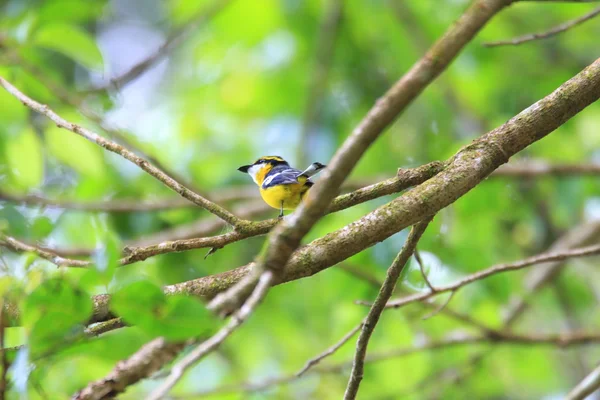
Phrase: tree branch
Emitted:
{"points": [[587, 386], [493, 270], [286, 237], [149, 359], [547, 34], [20, 247], [465, 170], [215, 341], [120, 150], [565, 340], [375, 312]]}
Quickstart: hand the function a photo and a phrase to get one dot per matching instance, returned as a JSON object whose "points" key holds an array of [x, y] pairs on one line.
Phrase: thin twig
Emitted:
{"points": [[215, 341], [387, 289], [566, 340], [587, 386], [496, 269], [314, 361], [422, 268], [409, 177], [18, 246], [174, 40], [125, 153], [529, 169], [547, 34], [440, 308]]}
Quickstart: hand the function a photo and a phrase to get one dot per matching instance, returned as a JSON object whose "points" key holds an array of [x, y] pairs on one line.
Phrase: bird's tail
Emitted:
{"points": [[313, 169]]}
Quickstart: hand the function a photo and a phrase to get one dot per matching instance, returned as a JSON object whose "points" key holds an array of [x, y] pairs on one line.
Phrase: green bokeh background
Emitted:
{"points": [[237, 89]]}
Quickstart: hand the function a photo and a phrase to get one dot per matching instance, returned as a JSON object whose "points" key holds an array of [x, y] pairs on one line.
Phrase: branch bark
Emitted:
{"points": [[150, 359], [286, 237], [127, 154], [465, 170], [386, 291], [545, 35]]}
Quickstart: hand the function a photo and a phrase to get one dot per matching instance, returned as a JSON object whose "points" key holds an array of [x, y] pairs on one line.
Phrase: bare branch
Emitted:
{"points": [[18, 246], [537, 169], [372, 318], [120, 150], [422, 268], [314, 361], [547, 34], [565, 340], [464, 171], [496, 269], [440, 308], [174, 40], [587, 386], [520, 169], [286, 237], [149, 359], [215, 341], [582, 235]]}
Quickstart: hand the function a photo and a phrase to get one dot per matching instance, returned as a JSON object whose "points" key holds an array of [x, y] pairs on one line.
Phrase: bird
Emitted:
{"points": [[281, 186]]}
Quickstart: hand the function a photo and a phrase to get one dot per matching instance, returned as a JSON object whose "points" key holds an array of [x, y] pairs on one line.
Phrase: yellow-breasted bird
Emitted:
{"points": [[281, 186]]}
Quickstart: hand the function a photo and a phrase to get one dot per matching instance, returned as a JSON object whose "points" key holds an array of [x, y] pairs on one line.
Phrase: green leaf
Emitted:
{"points": [[53, 314], [83, 156], [71, 41], [185, 317], [138, 303], [175, 317], [25, 160], [41, 227]]}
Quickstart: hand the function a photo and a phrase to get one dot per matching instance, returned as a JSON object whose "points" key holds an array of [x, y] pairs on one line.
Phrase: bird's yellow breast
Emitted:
{"points": [[291, 195]]}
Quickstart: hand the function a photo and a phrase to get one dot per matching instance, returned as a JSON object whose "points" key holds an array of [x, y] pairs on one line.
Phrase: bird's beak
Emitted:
{"points": [[244, 168]]}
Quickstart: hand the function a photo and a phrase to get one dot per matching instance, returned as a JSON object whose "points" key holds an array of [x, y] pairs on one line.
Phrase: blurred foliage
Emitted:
{"points": [[236, 89]]}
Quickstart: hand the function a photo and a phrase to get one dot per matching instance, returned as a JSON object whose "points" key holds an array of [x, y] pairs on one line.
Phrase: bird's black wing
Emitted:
{"points": [[281, 176]]}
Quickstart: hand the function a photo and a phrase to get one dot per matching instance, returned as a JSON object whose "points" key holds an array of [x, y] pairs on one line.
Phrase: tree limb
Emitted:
{"points": [[547, 34], [465, 170], [120, 150], [372, 318], [286, 237]]}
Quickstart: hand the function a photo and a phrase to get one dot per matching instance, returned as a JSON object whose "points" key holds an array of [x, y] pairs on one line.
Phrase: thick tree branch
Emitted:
{"points": [[120, 150], [547, 34], [286, 237], [149, 359], [208, 346], [465, 170], [519, 169], [404, 179]]}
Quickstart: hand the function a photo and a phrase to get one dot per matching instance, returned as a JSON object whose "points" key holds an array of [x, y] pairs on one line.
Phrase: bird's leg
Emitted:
{"points": [[281, 211]]}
